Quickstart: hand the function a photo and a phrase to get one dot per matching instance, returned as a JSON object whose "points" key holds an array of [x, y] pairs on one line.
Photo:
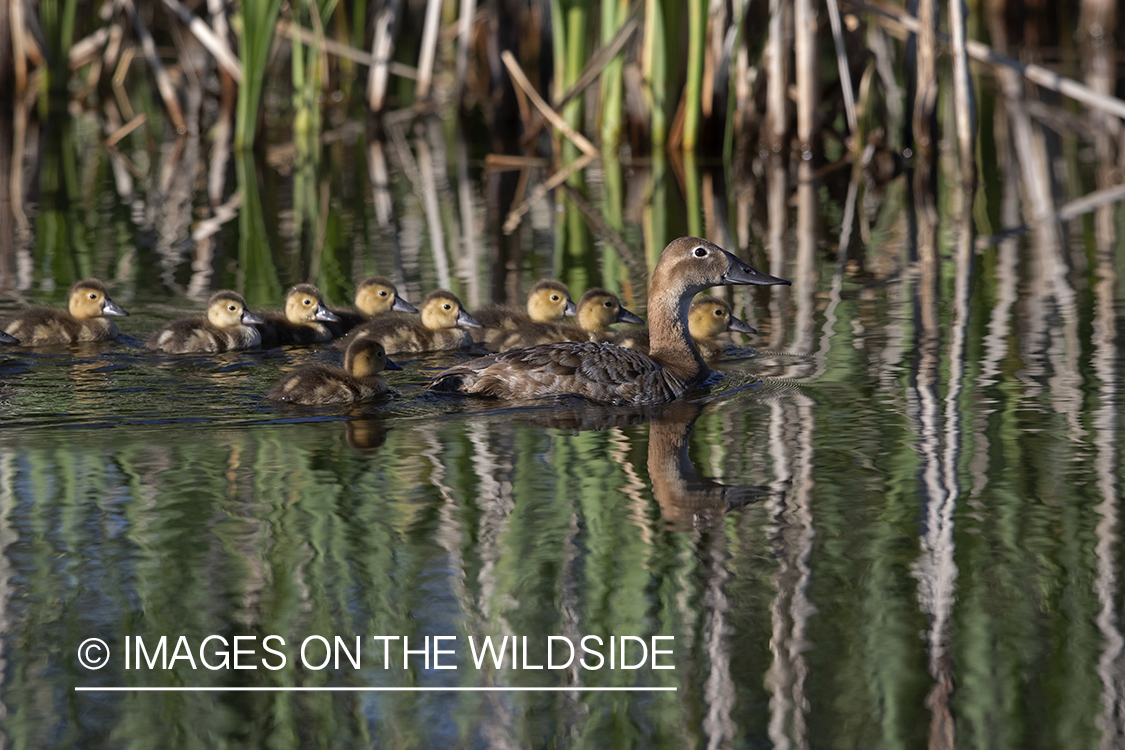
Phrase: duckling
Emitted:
{"points": [[89, 301], [227, 327], [610, 374], [547, 302], [374, 296], [707, 318], [436, 331], [8, 339], [597, 311], [300, 323], [316, 385]]}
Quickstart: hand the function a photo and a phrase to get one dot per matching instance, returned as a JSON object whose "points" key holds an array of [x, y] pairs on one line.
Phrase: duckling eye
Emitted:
{"points": [[382, 293], [608, 303], [554, 298], [445, 307], [700, 252], [719, 313], [232, 308], [308, 302], [93, 295]]}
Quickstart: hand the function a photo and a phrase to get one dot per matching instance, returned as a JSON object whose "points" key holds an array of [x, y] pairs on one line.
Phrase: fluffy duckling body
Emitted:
{"points": [[610, 374], [301, 323], [83, 320], [707, 317], [597, 311], [548, 301], [375, 296], [228, 326], [436, 330], [8, 338], [359, 380]]}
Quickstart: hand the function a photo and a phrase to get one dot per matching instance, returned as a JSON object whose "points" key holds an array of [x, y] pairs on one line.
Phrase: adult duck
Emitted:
{"points": [[374, 297], [229, 326], [598, 309], [84, 319], [318, 385], [438, 329], [548, 301], [302, 322], [610, 374], [707, 318]]}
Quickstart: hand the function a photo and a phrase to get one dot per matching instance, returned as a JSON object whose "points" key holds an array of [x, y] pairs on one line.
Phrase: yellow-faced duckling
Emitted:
{"points": [[437, 330], [359, 380], [375, 296], [610, 374], [547, 302], [597, 311], [301, 321], [8, 339], [228, 326], [84, 321], [707, 318]]}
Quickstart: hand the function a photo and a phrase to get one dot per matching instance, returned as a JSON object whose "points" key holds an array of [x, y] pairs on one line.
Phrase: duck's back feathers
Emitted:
{"points": [[46, 326], [600, 372], [401, 335], [192, 335], [321, 384]]}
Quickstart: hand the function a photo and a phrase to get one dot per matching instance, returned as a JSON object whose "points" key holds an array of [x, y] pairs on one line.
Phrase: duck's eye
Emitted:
{"points": [[93, 295], [608, 303], [232, 308], [383, 293], [308, 302], [719, 313], [554, 298], [447, 307], [700, 252]]}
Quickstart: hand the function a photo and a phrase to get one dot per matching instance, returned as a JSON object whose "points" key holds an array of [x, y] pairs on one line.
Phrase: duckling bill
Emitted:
{"points": [[83, 321], [6, 338], [229, 326], [610, 374], [321, 385]]}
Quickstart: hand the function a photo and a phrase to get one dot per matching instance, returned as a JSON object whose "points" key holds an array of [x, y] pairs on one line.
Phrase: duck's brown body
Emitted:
{"points": [[707, 318], [597, 311], [359, 380], [229, 326], [82, 322], [374, 297], [612, 374], [437, 329], [547, 301], [301, 322]]}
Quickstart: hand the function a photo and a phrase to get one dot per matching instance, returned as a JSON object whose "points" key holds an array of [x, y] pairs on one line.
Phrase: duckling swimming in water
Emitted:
{"points": [[8, 339], [611, 374], [300, 323], [547, 302], [707, 318], [359, 380], [228, 326], [374, 296], [82, 322], [597, 311], [436, 331]]}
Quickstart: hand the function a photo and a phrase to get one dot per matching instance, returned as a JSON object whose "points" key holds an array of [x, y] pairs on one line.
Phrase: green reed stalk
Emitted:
{"points": [[577, 52], [58, 28], [693, 194], [614, 272], [614, 13], [259, 283], [259, 17], [654, 70], [693, 92]]}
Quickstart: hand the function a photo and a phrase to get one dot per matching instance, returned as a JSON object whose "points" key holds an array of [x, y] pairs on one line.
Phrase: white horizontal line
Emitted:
{"points": [[576, 689]]}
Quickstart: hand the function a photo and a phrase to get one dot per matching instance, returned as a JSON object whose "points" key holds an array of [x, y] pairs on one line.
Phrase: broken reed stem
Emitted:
{"points": [[845, 74], [558, 178], [429, 50], [215, 45], [552, 116], [163, 81]]}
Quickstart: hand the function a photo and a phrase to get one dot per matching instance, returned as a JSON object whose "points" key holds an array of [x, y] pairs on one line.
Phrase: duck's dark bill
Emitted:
{"points": [[738, 326], [402, 305], [741, 273], [112, 308], [391, 366], [249, 318]]}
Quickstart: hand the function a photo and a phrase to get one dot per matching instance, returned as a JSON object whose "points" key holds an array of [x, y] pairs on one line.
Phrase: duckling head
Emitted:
{"points": [[89, 299], [303, 304], [7, 338], [376, 295], [548, 301], [442, 309], [599, 309], [710, 316], [689, 265], [227, 309], [366, 357]]}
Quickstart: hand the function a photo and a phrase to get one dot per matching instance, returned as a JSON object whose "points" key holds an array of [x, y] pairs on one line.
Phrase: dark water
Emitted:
{"points": [[895, 525]]}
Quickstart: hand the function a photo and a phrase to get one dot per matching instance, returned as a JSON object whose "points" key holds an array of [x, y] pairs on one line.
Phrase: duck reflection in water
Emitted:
{"points": [[366, 435], [686, 498]]}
